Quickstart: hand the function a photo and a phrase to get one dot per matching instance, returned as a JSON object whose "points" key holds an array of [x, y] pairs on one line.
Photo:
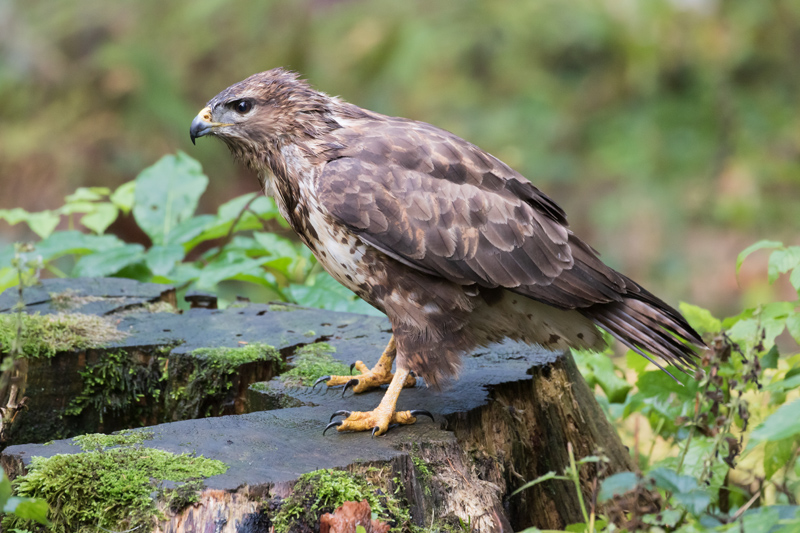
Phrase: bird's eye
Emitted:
{"points": [[242, 106]]}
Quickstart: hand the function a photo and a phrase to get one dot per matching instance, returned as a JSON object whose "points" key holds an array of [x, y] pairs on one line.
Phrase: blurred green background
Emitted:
{"points": [[668, 130]]}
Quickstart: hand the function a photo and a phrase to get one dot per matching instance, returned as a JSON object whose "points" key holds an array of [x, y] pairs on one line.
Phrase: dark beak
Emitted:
{"points": [[201, 125]]}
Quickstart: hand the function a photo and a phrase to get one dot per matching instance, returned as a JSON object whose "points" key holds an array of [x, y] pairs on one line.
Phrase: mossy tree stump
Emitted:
{"points": [[509, 419]]}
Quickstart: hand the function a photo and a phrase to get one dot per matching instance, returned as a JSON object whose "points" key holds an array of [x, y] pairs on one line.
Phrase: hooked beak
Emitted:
{"points": [[202, 125]]}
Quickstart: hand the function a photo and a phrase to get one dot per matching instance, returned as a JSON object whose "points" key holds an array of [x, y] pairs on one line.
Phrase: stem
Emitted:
{"points": [[691, 434], [573, 471]]}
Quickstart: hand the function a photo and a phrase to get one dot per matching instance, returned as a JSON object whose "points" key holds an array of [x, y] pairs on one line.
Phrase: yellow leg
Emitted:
{"points": [[380, 374], [379, 419]]}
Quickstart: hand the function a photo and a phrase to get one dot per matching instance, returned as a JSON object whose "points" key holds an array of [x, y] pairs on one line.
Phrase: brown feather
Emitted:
{"points": [[452, 244]]}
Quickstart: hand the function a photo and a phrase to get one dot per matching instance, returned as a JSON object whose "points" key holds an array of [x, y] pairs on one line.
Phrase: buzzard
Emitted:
{"points": [[458, 249]]}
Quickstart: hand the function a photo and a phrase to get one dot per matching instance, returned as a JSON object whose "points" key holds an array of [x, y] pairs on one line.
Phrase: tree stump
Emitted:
{"points": [[509, 419]]}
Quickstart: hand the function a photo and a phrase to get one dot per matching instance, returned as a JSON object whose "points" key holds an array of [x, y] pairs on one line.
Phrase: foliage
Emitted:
{"points": [[189, 250], [725, 451], [107, 486]]}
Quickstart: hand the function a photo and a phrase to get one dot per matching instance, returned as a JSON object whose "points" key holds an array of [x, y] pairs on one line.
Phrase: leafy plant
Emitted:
{"points": [[728, 438], [241, 243]]}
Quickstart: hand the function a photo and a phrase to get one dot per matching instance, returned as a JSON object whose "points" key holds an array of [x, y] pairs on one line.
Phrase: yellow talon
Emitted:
{"points": [[381, 374], [382, 417]]}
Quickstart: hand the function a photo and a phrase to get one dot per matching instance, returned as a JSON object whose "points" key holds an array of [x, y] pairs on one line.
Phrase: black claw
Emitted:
{"points": [[352, 366], [412, 374], [348, 384], [331, 425], [320, 380], [376, 428], [341, 413], [418, 412], [392, 426]]}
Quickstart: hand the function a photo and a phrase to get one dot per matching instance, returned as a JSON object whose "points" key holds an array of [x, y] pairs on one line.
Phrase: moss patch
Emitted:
{"points": [[101, 441], [311, 362], [230, 358], [116, 386], [209, 376], [323, 491], [46, 335], [110, 486]]}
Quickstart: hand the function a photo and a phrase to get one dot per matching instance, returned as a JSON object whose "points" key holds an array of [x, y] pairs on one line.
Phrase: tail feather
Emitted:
{"points": [[644, 323]]}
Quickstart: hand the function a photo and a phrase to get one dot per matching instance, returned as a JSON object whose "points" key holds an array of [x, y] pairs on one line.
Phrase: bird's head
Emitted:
{"points": [[259, 114]]}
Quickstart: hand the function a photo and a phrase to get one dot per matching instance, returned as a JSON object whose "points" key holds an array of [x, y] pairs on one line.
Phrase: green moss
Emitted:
{"points": [[209, 376], [100, 441], [110, 487], [280, 308], [116, 386], [46, 335], [230, 358], [423, 471], [323, 491], [311, 362]]}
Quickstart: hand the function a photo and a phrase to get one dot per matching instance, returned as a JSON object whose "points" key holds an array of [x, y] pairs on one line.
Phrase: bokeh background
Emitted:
{"points": [[669, 130]]}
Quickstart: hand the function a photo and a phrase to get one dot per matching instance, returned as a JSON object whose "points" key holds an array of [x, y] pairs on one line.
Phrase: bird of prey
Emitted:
{"points": [[454, 246]]}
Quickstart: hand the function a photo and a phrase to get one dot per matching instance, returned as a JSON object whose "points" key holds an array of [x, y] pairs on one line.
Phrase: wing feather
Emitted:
{"points": [[440, 204]]}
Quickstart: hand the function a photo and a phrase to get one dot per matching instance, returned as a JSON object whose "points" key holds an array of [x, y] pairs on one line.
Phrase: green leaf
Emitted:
{"points": [[598, 367], [617, 485], [167, 194], [262, 205], [28, 509], [162, 259], [5, 488], [761, 520], [74, 242], [14, 216], [770, 359], [777, 455], [793, 325], [43, 224], [101, 218], [700, 319], [578, 527], [684, 489], [794, 278], [760, 245], [670, 480], [327, 293], [229, 266], [25, 508], [88, 194], [785, 385], [189, 229], [360, 529], [124, 196], [540, 479], [781, 424], [76, 207], [635, 362], [782, 261], [695, 462], [108, 262]]}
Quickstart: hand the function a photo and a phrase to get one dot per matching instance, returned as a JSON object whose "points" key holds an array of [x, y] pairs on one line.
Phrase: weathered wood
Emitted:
{"points": [[507, 420]]}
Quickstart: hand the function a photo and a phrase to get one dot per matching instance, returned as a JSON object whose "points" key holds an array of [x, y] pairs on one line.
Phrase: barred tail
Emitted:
{"points": [[644, 323]]}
